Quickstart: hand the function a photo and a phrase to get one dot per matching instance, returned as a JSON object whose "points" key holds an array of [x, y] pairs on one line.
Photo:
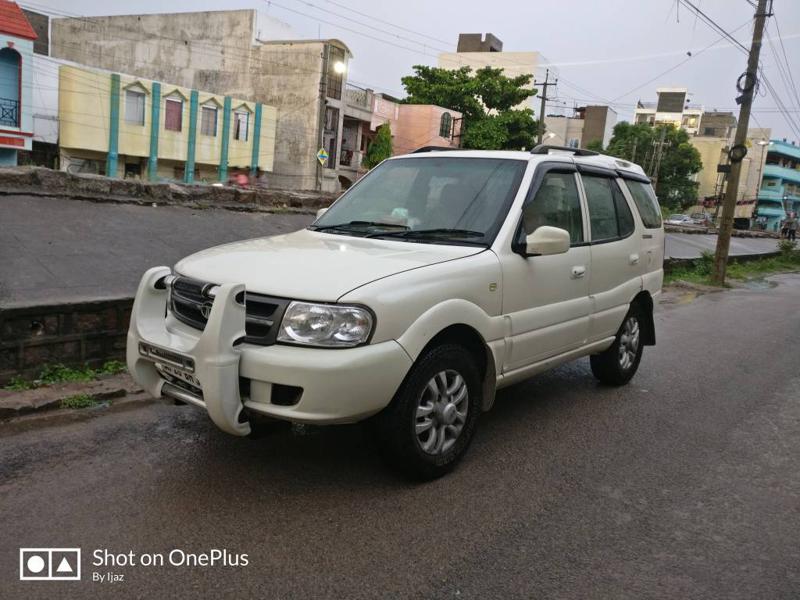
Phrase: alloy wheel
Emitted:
{"points": [[441, 412]]}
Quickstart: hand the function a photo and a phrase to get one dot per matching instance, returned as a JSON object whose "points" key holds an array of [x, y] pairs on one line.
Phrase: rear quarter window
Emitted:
{"points": [[645, 200]]}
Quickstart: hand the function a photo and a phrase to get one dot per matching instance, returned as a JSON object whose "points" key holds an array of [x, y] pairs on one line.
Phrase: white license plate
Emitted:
{"points": [[177, 373]]}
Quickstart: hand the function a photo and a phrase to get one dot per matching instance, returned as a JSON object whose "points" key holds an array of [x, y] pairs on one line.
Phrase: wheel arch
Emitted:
{"points": [[464, 323]]}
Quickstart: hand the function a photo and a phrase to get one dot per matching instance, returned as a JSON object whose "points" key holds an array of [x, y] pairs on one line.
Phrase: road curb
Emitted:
{"points": [[17, 403]]}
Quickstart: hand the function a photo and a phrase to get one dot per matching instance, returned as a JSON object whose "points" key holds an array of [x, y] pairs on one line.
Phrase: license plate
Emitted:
{"points": [[177, 373]]}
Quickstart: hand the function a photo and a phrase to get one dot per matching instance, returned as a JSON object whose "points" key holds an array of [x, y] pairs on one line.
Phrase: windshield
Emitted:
{"points": [[438, 200]]}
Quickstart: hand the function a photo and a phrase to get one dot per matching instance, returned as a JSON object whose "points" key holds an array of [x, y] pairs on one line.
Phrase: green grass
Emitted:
{"points": [[59, 373], [79, 401], [700, 271]]}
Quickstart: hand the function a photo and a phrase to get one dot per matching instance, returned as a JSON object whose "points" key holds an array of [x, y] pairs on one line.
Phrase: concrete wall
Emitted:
{"points": [[217, 51], [599, 124], [568, 131]]}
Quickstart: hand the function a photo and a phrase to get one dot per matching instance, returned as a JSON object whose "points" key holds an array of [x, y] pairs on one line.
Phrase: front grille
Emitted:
{"points": [[263, 313]]}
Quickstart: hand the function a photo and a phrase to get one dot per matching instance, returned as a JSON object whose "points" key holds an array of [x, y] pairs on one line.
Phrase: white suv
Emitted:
{"points": [[435, 280]]}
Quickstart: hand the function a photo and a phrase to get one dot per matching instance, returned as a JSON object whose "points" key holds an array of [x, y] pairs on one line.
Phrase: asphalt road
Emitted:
{"points": [[56, 250], [684, 484]]}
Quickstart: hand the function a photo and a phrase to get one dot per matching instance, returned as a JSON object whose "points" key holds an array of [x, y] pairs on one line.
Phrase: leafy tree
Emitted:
{"points": [[380, 148], [486, 100], [595, 146], [679, 159]]}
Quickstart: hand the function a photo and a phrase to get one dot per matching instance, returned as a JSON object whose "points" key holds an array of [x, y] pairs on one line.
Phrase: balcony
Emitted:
{"points": [[9, 112], [784, 173]]}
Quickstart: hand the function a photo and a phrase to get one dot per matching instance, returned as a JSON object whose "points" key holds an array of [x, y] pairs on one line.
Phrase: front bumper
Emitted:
{"points": [[338, 385]]}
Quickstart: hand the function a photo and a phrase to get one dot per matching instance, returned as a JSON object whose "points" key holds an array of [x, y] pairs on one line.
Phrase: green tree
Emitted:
{"points": [[595, 146], [679, 159], [485, 99], [381, 147]]}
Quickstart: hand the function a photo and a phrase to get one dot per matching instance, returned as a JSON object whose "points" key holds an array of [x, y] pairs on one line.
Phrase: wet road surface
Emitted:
{"points": [[684, 484]]}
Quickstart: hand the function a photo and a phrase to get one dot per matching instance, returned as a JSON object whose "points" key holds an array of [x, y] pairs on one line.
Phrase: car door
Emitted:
{"points": [[546, 298], [615, 251]]}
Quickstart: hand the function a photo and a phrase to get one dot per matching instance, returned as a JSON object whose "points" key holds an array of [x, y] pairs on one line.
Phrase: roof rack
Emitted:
{"points": [[422, 149], [545, 149]]}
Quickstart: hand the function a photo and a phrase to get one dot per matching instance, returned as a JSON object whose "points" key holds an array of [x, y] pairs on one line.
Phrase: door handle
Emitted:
{"points": [[578, 272], [633, 259]]}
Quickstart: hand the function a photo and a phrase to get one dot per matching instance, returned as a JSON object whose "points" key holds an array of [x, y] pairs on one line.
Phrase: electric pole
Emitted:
{"points": [[658, 153], [544, 85], [747, 86]]}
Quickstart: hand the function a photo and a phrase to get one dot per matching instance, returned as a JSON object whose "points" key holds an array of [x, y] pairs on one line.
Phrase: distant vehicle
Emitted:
{"points": [[679, 220], [701, 218], [436, 279]]}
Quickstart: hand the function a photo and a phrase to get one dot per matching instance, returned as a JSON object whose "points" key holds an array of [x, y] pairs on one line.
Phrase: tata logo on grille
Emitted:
{"points": [[49, 564], [205, 309]]}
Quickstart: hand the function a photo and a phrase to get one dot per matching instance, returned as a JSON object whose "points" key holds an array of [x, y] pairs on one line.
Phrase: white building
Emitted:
{"points": [[672, 107]]}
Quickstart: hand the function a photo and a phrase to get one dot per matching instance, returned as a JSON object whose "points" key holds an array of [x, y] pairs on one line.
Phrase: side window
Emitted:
{"points": [[556, 204], [609, 214], [624, 215], [646, 203]]}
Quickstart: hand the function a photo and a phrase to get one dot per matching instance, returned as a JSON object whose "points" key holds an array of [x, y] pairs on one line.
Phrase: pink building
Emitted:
{"points": [[416, 125]]}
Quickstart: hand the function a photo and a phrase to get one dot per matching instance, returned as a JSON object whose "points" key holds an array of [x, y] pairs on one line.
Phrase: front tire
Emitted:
{"points": [[429, 424], [617, 365]]}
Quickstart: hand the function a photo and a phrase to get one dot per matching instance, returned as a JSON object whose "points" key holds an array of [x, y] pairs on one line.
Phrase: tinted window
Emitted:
{"points": [[624, 214], [609, 214], [646, 203], [556, 204]]}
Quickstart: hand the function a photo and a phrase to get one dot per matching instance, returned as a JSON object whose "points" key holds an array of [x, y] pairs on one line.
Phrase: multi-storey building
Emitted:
{"points": [[780, 185], [125, 126], [672, 107], [589, 124], [16, 59], [239, 53]]}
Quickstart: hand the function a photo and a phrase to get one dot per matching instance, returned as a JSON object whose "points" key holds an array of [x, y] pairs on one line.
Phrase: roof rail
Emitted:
{"points": [[545, 149], [422, 149]]}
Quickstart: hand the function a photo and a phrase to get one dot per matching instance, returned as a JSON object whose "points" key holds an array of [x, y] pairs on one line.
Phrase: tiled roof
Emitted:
{"points": [[13, 21]]}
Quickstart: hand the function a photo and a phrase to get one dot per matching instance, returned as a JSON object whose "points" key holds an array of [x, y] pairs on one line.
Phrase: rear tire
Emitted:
{"points": [[429, 424], [617, 365]]}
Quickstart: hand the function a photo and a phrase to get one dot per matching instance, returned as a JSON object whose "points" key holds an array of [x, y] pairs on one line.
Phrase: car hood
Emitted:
{"points": [[311, 265]]}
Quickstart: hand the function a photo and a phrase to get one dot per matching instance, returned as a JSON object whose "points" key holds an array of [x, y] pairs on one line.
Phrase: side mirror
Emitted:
{"points": [[547, 240], [321, 212]]}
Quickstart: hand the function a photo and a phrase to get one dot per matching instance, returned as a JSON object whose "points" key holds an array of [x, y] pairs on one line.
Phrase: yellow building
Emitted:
{"points": [[125, 126]]}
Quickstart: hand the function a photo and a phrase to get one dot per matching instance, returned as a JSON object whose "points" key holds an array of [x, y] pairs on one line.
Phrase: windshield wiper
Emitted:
{"points": [[356, 224], [429, 233]]}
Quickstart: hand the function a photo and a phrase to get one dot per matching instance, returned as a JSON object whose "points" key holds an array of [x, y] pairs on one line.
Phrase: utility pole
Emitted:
{"points": [[658, 153], [544, 85], [747, 86]]}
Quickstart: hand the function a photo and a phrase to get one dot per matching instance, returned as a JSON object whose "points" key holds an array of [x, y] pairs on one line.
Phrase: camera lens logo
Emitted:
{"points": [[49, 564]]}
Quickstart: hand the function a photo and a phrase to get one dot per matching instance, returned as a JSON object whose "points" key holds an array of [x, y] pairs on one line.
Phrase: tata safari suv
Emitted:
{"points": [[437, 279]]}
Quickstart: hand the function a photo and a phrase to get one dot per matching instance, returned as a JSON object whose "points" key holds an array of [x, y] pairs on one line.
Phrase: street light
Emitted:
{"points": [[339, 67]]}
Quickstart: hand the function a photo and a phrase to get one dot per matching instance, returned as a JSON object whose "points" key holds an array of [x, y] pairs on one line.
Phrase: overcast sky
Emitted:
{"points": [[603, 49]]}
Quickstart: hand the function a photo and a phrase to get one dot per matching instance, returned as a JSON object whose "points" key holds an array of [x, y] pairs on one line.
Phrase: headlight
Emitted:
{"points": [[331, 325]]}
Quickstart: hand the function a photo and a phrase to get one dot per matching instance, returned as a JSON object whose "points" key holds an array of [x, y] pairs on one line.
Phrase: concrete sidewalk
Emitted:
{"points": [[55, 250]]}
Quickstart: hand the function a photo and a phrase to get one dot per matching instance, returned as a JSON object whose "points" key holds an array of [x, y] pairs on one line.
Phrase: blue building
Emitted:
{"points": [[16, 70], [780, 185]]}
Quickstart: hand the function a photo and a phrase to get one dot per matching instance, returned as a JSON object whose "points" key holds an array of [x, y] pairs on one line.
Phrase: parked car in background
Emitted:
{"points": [[702, 218], [435, 280], [679, 220]]}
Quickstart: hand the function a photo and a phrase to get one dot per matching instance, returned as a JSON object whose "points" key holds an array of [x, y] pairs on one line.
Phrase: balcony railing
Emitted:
{"points": [[356, 96], [9, 112]]}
